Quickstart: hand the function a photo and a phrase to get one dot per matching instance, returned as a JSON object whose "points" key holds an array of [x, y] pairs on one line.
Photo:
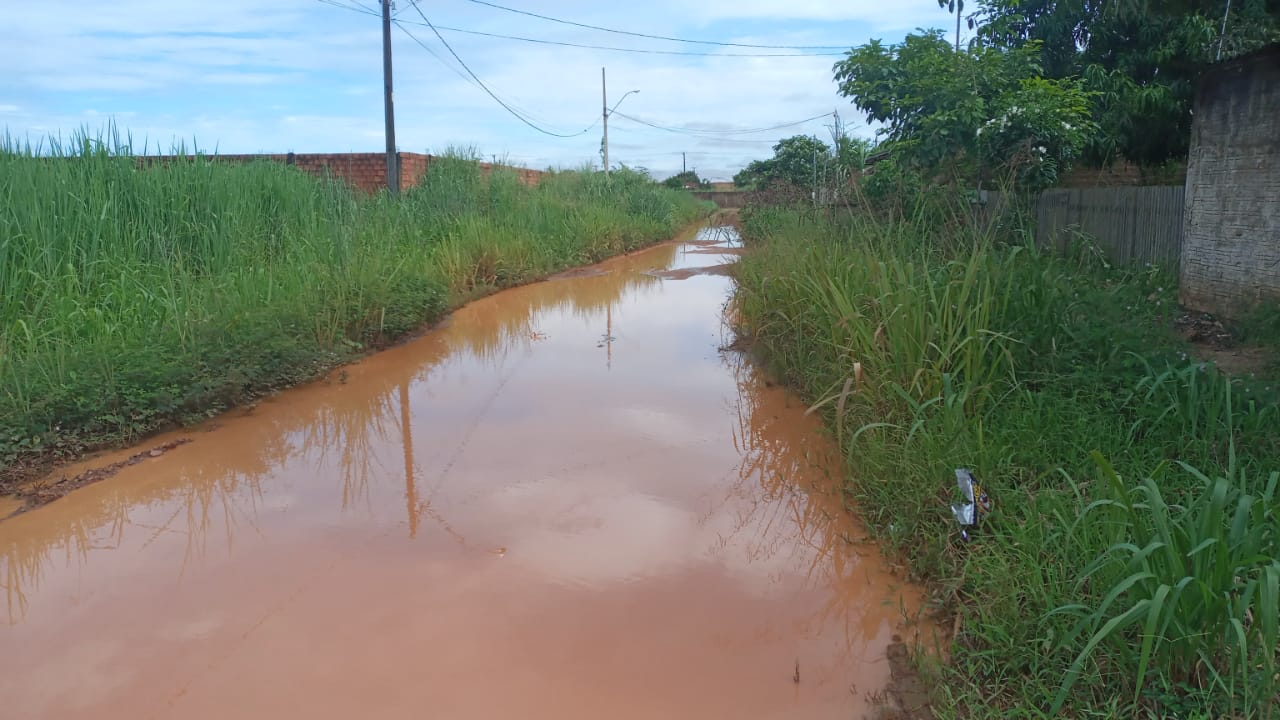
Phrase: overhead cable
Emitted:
{"points": [[686, 53], [486, 89], [703, 132], [356, 6], [642, 51], [654, 37]]}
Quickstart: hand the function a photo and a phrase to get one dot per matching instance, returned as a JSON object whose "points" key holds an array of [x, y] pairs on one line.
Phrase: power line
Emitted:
{"points": [[433, 53], [466, 78], [484, 87], [696, 132], [401, 25], [654, 37], [685, 53], [355, 6]]}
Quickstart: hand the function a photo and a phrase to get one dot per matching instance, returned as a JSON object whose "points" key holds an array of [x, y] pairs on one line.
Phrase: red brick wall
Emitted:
{"points": [[525, 175], [366, 172], [413, 167]]}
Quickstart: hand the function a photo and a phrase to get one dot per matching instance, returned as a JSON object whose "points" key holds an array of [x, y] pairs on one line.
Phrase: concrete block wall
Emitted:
{"points": [[1231, 236]]}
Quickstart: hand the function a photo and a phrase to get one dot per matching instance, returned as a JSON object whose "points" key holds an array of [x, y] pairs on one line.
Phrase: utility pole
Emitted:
{"points": [[393, 165], [604, 111], [684, 164], [815, 171], [406, 440], [1222, 38]]}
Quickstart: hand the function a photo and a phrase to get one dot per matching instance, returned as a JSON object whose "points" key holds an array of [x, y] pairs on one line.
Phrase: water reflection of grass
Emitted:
{"points": [[788, 500], [202, 503], [226, 499]]}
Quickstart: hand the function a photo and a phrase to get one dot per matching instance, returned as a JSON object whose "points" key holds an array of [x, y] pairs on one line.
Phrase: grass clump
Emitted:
{"points": [[135, 295], [1128, 566]]}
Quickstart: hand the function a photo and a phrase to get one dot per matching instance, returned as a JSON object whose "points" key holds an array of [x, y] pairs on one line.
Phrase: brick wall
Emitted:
{"points": [[1231, 237], [366, 172]]}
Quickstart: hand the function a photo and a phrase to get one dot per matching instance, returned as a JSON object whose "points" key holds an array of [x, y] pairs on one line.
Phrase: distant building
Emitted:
{"points": [[1231, 238]]}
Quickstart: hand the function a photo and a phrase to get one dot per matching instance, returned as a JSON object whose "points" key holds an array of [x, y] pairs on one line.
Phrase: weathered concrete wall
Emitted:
{"points": [[1231, 238], [366, 172]]}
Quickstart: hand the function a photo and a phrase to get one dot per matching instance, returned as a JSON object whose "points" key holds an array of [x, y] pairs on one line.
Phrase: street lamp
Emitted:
{"points": [[607, 111]]}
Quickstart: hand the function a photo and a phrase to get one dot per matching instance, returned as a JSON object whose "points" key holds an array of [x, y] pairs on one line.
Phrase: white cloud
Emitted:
{"points": [[300, 75], [879, 14]]}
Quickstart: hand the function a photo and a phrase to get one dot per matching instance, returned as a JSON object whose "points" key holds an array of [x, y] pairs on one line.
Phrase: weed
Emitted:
{"points": [[928, 343], [135, 294]]}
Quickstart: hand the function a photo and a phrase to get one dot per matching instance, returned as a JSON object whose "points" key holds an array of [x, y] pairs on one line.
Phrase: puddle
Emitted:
{"points": [[688, 272], [564, 503]]}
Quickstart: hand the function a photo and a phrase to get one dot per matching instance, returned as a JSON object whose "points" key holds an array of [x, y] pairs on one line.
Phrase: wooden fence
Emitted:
{"points": [[1131, 225]]}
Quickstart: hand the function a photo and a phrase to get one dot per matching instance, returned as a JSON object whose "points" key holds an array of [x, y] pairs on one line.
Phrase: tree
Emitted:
{"points": [[1142, 60], [983, 107], [794, 161], [684, 180]]}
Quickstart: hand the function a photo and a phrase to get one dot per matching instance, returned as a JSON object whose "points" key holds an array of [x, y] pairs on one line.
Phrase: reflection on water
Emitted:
{"points": [[585, 432]]}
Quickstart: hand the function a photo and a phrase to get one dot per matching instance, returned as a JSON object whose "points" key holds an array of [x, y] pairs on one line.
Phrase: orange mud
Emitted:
{"points": [[565, 503]]}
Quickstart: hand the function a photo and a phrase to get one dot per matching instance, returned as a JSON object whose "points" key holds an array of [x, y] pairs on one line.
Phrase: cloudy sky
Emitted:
{"points": [[306, 75]]}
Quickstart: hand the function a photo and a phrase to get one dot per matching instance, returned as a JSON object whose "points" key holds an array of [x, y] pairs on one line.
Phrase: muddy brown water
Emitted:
{"points": [[567, 502]]}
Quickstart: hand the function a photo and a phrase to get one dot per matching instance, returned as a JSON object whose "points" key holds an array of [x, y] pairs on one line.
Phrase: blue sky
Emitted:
{"points": [[305, 76]]}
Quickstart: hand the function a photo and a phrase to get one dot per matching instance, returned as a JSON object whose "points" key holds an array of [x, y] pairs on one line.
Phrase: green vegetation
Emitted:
{"points": [[800, 161], [1129, 565], [1139, 60], [133, 298], [685, 180], [1045, 83], [970, 112]]}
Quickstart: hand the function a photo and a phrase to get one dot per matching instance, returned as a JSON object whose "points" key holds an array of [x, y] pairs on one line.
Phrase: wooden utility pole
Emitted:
{"points": [[393, 164], [684, 164]]}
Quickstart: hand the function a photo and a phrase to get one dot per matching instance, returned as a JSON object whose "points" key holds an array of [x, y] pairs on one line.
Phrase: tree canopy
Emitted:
{"points": [[686, 179], [1142, 59], [984, 106], [794, 161], [1099, 79]]}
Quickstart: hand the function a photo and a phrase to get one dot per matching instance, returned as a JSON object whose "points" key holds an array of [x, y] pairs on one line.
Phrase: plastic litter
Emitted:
{"points": [[970, 514]]}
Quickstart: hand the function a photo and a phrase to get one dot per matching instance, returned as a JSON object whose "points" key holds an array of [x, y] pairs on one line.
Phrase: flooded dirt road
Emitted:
{"points": [[566, 503]]}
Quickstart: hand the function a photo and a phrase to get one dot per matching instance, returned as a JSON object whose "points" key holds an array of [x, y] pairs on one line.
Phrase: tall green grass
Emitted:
{"points": [[1128, 566], [138, 295]]}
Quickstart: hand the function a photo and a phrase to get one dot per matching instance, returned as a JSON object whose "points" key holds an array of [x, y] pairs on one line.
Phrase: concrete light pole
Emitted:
{"points": [[393, 169], [606, 112]]}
